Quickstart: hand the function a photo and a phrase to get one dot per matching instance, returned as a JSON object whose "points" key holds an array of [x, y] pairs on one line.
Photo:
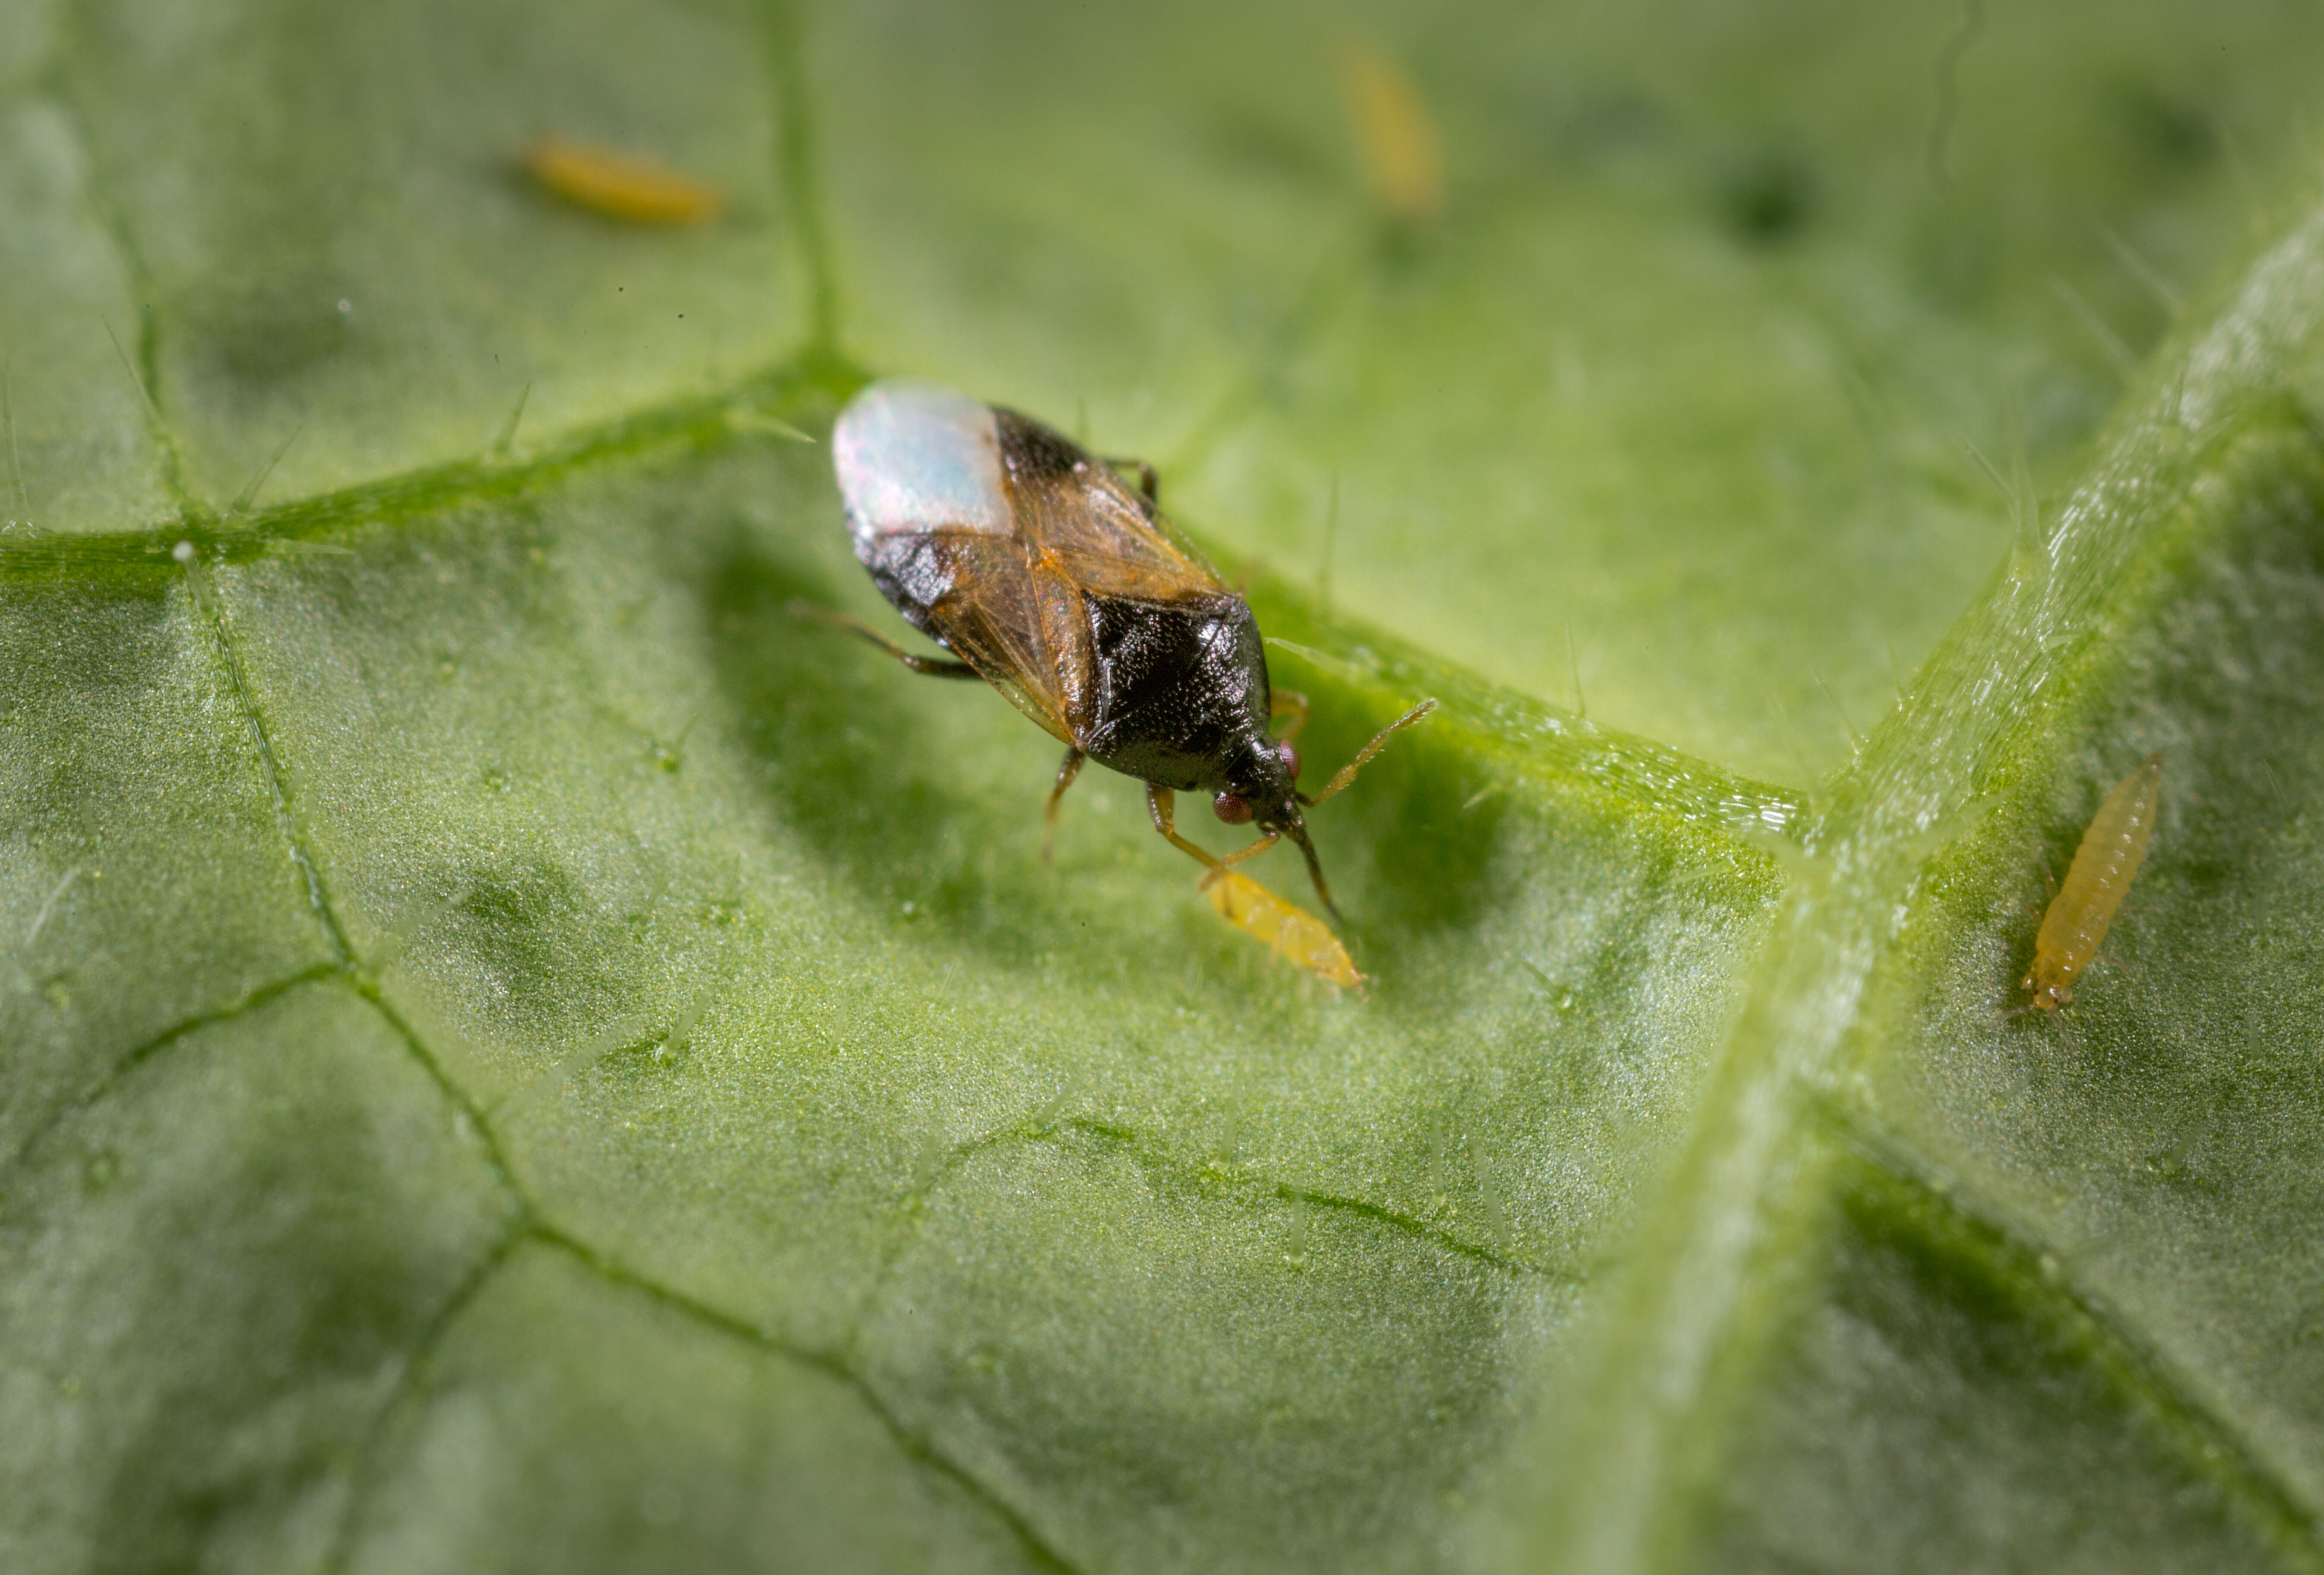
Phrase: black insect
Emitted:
{"points": [[1063, 588]]}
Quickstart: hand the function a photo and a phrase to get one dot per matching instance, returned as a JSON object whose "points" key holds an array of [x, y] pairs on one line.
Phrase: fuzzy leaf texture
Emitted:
{"points": [[516, 1055]]}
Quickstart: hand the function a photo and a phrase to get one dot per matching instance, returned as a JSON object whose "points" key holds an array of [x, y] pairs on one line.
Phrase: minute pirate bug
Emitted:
{"points": [[1054, 581]]}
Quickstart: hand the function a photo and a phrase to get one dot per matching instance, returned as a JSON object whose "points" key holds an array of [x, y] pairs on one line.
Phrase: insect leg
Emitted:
{"points": [[1293, 704], [1347, 773], [1158, 805], [1071, 769], [1252, 852], [1149, 480], [934, 667]]}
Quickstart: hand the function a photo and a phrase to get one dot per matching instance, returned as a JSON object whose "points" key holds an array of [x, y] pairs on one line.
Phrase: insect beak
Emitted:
{"points": [[1295, 827]]}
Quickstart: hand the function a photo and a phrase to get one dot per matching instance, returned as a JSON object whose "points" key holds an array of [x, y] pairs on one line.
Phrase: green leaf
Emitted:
{"points": [[516, 1053]]}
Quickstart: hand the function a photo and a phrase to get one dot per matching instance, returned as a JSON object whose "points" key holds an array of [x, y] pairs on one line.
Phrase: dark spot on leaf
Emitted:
{"points": [[1616, 121], [523, 929], [1259, 143], [1767, 195], [1589, 125], [261, 337], [2164, 129], [1959, 261], [1401, 250], [842, 755]]}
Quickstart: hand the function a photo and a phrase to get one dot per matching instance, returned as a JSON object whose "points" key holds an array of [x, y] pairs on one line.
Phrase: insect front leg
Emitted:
{"points": [[1071, 769], [1159, 800], [933, 667]]}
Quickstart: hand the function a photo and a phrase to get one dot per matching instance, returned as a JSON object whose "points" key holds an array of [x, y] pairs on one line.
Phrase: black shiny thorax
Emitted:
{"points": [[1182, 692]]}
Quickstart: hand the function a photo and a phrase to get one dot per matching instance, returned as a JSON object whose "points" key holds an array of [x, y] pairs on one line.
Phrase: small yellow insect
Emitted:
{"points": [[1395, 134], [1293, 932], [2104, 867], [620, 187]]}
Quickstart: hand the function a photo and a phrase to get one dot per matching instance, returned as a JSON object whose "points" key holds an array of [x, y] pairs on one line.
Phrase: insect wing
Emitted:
{"points": [[934, 517], [1019, 624], [1088, 525], [914, 458]]}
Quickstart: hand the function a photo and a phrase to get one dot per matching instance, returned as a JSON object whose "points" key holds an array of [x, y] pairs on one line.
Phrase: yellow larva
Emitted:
{"points": [[621, 188], [1394, 132], [2104, 867], [1293, 931]]}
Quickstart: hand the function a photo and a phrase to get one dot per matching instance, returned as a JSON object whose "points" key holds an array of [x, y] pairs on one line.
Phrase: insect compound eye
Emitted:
{"points": [[1232, 807], [1290, 758]]}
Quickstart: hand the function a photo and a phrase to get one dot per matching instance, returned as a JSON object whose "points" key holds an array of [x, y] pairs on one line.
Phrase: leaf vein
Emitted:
{"points": [[914, 1446], [361, 1471], [106, 1081], [2043, 1275], [213, 614]]}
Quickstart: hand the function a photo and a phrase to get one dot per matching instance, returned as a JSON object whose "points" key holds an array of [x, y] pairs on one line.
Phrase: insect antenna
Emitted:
{"points": [[1347, 773], [1252, 852]]}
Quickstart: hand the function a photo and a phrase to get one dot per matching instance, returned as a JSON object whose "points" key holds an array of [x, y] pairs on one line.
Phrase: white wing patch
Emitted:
{"points": [[911, 457]]}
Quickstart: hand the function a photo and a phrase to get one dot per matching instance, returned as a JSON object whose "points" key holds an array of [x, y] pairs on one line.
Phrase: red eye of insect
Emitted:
{"points": [[1232, 807], [1290, 758]]}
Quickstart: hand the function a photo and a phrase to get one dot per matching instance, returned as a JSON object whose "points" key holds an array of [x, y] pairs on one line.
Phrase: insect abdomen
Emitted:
{"points": [[2104, 867]]}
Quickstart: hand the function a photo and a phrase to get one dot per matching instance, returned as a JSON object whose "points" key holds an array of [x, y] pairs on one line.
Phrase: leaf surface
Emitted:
{"points": [[516, 1053]]}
